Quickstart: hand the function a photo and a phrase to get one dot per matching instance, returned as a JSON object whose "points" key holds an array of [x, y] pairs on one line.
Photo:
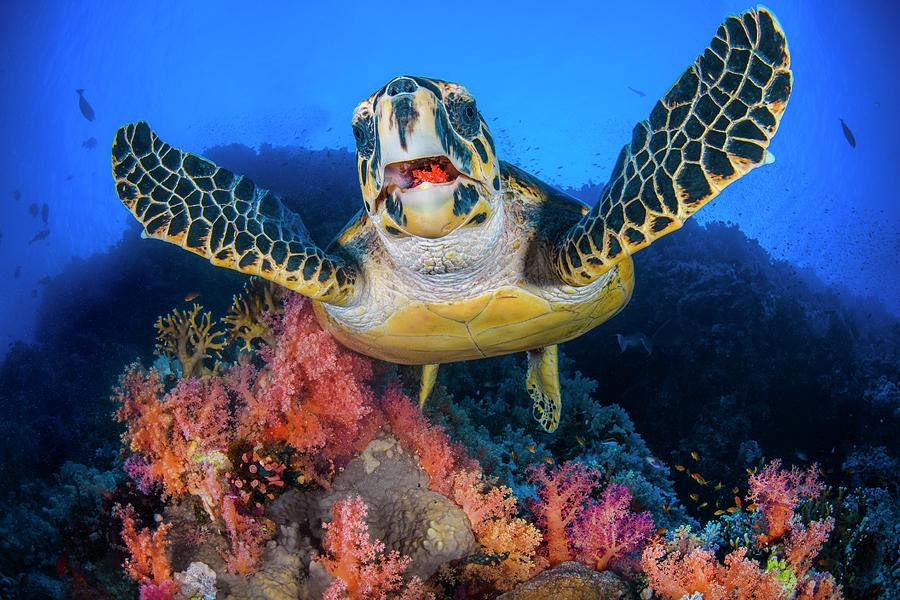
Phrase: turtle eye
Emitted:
{"points": [[364, 134], [463, 115]]}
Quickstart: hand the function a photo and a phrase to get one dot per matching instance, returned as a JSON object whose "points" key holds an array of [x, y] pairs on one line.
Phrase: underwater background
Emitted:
{"points": [[767, 328]]}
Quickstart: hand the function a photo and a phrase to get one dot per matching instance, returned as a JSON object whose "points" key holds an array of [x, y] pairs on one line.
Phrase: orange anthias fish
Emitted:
{"points": [[191, 296], [679, 467], [435, 175], [695, 455], [698, 478]]}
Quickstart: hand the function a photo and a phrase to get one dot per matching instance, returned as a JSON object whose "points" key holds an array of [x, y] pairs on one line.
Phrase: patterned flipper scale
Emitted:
{"points": [[712, 127], [187, 200]]}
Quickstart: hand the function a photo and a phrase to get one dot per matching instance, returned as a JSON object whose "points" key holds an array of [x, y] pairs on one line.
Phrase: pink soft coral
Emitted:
{"points": [[609, 531], [561, 495], [361, 568]]}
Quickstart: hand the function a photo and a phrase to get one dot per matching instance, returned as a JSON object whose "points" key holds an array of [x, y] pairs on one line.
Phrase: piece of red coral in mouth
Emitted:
{"points": [[434, 175]]}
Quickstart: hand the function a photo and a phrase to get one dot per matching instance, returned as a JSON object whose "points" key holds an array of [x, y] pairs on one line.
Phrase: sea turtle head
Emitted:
{"points": [[426, 159]]}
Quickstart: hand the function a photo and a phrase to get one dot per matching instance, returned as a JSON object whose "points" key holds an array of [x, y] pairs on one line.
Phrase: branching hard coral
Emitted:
{"points": [[191, 343], [253, 313], [361, 568]]}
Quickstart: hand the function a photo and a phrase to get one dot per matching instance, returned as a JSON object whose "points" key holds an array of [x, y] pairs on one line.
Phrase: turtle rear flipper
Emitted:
{"points": [[188, 201], [711, 128]]}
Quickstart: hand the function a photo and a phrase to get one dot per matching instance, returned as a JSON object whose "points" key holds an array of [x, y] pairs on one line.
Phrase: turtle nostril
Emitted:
{"points": [[401, 85]]}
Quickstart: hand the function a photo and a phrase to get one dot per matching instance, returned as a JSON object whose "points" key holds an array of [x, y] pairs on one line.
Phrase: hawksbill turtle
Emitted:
{"points": [[457, 255]]}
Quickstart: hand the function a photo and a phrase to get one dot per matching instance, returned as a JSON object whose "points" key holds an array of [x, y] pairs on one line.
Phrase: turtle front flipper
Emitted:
{"points": [[711, 127], [542, 382], [188, 201]]}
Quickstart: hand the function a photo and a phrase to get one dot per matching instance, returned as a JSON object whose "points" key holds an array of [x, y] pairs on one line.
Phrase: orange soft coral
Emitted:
{"points": [[682, 574], [361, 568], [148, 562], [776, 493]]}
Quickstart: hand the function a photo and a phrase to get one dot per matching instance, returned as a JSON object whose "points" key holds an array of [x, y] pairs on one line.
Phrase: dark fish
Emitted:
{"points": [[89, 143], [68, 178], [45, 212], [17, 194], [34, 209], [17, 273], [34, 293], [848, 134], [40, 235], [638, 92], [44, 280], [85, 108]]}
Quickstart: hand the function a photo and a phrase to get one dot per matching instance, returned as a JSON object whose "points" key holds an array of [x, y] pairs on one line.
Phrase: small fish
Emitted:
{"points": [[719, 513], [695, 497], [661, 531], [515, 458], [679, 467], [848, 134], [530, 448], [667, 508], [34, 293], [44, 280], [40, 236], [704, 505], [17, 195], [638, 92], [718, 487], [634, 340], [191, 296], [695, 455], [45, 213], [84, 107], [698, 478], [580, 441], [654, 462], [34, 209], [548, 460], [17, 273], [732, 509], [734, 490], [737, 501], [89, 143]]}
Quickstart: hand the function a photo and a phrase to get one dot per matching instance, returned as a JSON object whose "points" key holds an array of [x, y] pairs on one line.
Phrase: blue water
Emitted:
{"points": [[552, 79]]}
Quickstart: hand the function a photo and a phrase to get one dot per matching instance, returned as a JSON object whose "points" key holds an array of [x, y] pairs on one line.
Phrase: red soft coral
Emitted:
{"points": [[776, 493], [609, 531], [313, 393], [361, 568], [441, 458], [561, 495]]}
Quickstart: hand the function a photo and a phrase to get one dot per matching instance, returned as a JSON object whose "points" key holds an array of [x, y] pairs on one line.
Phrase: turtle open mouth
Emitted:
{"points": [[409, 174]]}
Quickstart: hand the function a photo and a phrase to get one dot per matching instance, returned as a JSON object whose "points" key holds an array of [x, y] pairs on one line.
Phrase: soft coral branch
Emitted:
{"points": [[361, 568], [561, 495], [608, 530]]}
